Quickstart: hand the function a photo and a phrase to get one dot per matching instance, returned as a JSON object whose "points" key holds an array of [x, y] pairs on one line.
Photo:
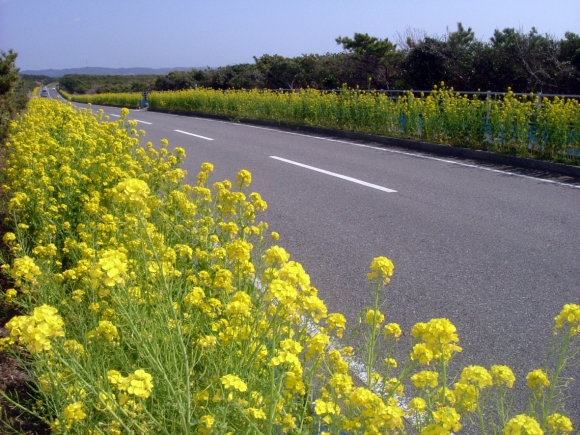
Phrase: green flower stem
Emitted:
{"points": [[185, 417], [479, 411], [546, 410], [373, 339]]}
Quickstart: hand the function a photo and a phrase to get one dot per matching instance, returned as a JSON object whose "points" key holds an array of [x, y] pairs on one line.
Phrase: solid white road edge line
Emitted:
{"points": [[422, 156], [334, 174], [196, 135]]}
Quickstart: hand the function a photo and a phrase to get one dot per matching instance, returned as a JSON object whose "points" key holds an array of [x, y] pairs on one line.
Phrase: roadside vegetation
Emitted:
{"points": [[528, 126], [14, 91], [106, 84], [153, 306], [341, 90], [131, 100]]}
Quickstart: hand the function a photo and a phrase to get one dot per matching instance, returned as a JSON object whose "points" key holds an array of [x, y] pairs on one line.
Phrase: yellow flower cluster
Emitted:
{"points": [[132, 190], [111, 268], [24, 268], [35, 331], [74, 413], [538, 379], [381, 268], [139, 383], [244, 178], [105, 329], [558, 423], [523, 424], [425, 378], [502, 375], [436, 339], [569, 315], [392, 329], [233, 382], [374, 318], [467, 391]]}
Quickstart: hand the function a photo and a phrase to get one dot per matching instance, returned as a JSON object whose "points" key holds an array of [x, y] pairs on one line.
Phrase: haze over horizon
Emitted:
{"points": [[94, 70], [61, 34]]}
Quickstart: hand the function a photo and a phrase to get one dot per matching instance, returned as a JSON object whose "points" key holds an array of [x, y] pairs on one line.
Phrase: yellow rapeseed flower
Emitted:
{"points": [[132, 190], [24, 267], [233, 382], [447, 418], [570, 315], [392, 329], [35, 330], [276, 255], [425, 378], [244, 178], [437, 336], [477, 376], [316, 345], [422, 353], [207, 167], [74, 413], [503, 375], [140, 384], [390, 362], [466, 396], [417, 404], [522, 425], [382, 268], [107, 330], [207, 421], [559, 424], [537, 379], [336, 321], [374, 318]]}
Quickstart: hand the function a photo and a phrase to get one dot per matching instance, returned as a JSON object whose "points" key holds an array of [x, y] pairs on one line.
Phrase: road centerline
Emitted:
{"points": [[334, 174], [143, 122], [196, 135]]}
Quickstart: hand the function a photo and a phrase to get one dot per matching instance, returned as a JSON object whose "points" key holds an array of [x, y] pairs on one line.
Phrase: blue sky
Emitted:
{"points": [[191, 33]]}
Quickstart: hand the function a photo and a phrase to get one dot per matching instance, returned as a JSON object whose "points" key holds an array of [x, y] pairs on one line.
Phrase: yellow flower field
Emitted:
{"points": [[153, 306], [528, 126], [122, 99]]}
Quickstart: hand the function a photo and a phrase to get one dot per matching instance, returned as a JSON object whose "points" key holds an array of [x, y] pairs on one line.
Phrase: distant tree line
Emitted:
{"points": [[526, 62], [99, 84], [15, 90]]}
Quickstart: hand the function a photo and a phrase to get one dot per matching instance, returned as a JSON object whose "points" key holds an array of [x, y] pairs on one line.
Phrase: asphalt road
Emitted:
{"points": [[494, 250]]}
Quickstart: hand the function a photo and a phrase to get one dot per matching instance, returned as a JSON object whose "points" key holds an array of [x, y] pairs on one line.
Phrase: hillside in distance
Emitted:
{"points": [[90, 70]]}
